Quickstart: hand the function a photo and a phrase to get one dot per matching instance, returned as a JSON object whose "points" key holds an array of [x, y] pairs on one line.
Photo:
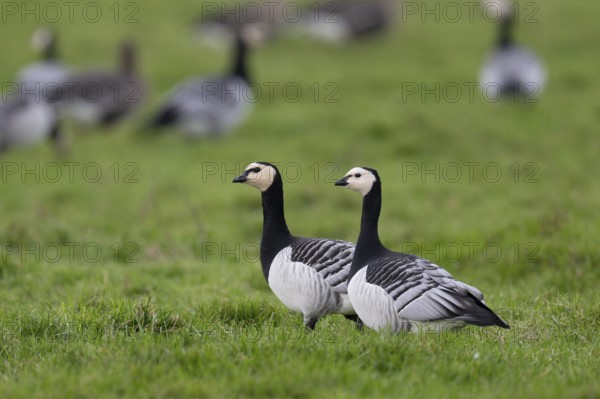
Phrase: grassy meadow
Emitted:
{"points": [[130, 268]]}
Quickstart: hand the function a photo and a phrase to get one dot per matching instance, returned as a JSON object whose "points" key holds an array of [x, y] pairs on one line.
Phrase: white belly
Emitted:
{"points": [[374, 305], [301, 288], [346, 307], [30, 125], [336, 32], [85, 113]]}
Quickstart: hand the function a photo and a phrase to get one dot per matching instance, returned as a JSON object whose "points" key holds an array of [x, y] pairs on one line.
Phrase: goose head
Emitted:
{"points": [[43, 40], [260, 175], [255, 34], [359, 179]]}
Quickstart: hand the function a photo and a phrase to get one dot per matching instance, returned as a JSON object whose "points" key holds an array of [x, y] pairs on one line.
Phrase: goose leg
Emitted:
{"points": [[310, 322], [359, 323], [60, 140]]}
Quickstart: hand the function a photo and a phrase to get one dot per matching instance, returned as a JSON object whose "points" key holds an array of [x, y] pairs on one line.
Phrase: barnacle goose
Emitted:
{"points": [[511, 71], [402, 292], [309, 275], [343, 20], [210, 106], [38, 80], [30, 114], [263, 20], [104, 97]]}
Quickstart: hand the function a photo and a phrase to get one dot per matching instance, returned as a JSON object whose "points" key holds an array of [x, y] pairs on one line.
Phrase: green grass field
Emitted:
{"points": [[145, 281]]}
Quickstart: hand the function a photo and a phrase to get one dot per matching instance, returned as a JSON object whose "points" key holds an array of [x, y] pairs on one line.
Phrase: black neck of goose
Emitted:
{"points": [[368, 239], [56, 133], [50, 53], [128, 59], [369, 232], [505, 38], [239, 67], [273, 213], [276, 234]]}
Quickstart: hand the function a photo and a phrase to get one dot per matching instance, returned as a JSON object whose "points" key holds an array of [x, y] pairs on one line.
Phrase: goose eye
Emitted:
{"points": [[358, 175]]}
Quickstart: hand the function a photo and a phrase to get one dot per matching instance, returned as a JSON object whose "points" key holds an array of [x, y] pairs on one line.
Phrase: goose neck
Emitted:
{"points": [[273, 212], [505, 38], [128, 64], [50, 53], [239, 67], [371, 209]]}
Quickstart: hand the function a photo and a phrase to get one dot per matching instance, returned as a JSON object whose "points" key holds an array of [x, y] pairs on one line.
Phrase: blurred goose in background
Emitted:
{"points": [[29, 114], [342, 20], [400, 292], [217, 27], [511, 70], [103, 97], [47, 75], [210, 106], [27, 122]]}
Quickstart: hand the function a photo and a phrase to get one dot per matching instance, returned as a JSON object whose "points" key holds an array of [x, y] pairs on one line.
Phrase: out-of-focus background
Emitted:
{"points": [[129, 261]]}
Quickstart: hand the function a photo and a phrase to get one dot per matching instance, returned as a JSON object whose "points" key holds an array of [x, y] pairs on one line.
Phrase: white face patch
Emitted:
{"points": [[42, 38], [261, 179], [360, 180]]}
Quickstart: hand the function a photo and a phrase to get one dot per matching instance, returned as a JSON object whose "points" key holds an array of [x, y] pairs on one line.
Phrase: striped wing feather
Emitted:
{"points": [[330, 258], [221, 102], [422, 291]]}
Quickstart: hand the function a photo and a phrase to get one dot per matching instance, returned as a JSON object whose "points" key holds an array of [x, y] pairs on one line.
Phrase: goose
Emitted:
{"points": [[104, 97], [511, 70], [402, 292], [342, 20], [30, 114], [307, 274], [26, 122], [262, 20], [210, 106], [41, 78]]}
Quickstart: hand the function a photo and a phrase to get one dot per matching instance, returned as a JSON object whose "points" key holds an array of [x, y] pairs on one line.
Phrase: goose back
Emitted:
{"points": [[104, 97]]}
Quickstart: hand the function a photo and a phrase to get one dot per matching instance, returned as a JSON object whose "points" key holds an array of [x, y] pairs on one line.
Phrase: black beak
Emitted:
{"points": [[343, 182], [241, 179]]}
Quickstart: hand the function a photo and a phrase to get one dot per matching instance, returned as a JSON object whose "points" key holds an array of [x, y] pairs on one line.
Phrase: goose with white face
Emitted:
{"points": [[259, 175], [399, 291], [308, 275], [358, 179]]}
